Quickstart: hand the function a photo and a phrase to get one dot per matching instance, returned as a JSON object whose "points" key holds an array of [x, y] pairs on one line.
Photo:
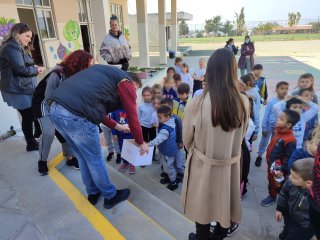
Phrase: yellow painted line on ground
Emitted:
{"points": [[97, 220]]}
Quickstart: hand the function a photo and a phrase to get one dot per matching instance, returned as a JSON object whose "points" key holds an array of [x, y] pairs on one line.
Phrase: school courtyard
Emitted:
{"points": [[55, 206]]}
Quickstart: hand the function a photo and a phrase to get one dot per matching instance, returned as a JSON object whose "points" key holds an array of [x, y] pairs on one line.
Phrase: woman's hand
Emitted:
{"points": [[40, 69], [144, 148], [122, 128]]}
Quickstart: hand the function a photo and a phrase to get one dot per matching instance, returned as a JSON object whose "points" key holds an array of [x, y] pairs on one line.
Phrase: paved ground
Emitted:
{"points": [[33, 207]]}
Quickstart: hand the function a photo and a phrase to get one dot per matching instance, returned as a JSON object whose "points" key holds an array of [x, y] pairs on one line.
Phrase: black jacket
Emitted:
{"points": [[91, 93], [17, 70], [234, 49], [293, 202]]}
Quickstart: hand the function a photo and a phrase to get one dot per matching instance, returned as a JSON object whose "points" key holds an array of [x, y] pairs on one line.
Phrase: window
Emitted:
{"points": [[117, 11], [24, 2], [45, 19]]}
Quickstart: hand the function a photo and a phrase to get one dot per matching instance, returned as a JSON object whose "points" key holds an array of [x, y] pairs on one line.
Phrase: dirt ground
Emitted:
{"points": [[307, 52]]}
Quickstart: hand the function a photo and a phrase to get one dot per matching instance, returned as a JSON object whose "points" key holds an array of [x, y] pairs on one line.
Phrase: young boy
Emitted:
{"points": [[198, 75], [178, 65], [269, 121], [180, 103], [296, 104], [279, 151], [260, 82], [168, 91], [177, 81], [292, 202], [166, 142]]}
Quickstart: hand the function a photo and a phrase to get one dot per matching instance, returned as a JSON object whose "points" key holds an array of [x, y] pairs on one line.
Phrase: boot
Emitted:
{"points": [[32, 145]]}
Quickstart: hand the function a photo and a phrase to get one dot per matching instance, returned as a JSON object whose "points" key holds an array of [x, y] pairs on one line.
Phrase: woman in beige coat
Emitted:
{"points": [[213, 128]]}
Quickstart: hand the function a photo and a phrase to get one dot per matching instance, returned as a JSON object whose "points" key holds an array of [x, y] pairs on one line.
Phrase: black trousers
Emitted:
{"points": [[203, 231], [245, 164], [149, 133], [27, 122], [314, 214]]}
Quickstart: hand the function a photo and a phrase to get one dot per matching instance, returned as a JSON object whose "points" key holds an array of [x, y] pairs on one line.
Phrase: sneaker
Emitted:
{"points": [[32, 145], [268, 201], [132, 169], [163, 174], [119, 159], [258, 161], [109, 157], [123, 167], [93, 198], [180, 177], [232, 229], [121, 195], [43, 168], [173, 186], [73, 163], [165, 180]]}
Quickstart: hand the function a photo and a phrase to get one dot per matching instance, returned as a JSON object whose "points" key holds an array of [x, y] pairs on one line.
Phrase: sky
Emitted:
{"points": [[255, 10]]}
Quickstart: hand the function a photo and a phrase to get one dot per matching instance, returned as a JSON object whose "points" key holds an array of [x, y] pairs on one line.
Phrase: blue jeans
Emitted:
{"points": [[264, 142], [84, 138]]}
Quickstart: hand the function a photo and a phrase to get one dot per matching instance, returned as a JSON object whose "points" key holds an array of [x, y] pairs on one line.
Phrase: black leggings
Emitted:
{"points": [[27, 122], [314, 214]]}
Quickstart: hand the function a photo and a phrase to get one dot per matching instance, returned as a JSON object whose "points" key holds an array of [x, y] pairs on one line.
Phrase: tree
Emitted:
{"points": [[298, 17], [265, 28], [227, 28], [293, 19], [315, 26], [240, 21], [183, 28], [213, 25]]}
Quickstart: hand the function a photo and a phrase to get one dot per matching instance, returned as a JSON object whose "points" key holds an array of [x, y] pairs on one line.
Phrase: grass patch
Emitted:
{"points": [[256, 38]]}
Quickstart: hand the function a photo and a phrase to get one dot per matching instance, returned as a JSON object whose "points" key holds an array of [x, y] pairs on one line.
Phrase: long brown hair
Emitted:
{"points": [[20, 28], [227, 107]]}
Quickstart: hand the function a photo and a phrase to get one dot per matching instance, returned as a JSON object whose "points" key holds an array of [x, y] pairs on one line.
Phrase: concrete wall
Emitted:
{"points": [[8, 9]]}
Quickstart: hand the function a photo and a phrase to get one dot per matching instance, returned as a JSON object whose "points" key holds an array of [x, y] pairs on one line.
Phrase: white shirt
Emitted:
{"points": [[186, 78], [200, 72]]}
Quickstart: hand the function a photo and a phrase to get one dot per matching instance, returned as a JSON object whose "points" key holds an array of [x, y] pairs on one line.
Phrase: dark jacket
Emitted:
{"points": [[17, 70], [246, 52], [171, 93], [234, 49], [281, 147], [293, 202], [178, 122], [91, 93], [169, 146]]}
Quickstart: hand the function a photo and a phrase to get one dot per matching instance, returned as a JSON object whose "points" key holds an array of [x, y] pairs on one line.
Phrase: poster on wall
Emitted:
{"points": [[5, 26]]}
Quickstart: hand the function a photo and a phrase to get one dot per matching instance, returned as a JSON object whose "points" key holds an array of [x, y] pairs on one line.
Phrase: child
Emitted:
{"points": [[186, 77], [112, 145], [156, 101], [278, 153], [292, 202], [198, 75], [178, 65], [120, 117], [177, 81], [296, 104], [252, 92], [260, 82], [145, 110], [268, 121], [166, 141], [156, 90], [170, 72], [168, 91], [200, 91], [305, 81], [314, 211], [180, 103]]}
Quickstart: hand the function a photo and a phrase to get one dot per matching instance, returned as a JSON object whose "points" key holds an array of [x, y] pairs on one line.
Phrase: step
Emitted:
{"points": [[132, 223]]}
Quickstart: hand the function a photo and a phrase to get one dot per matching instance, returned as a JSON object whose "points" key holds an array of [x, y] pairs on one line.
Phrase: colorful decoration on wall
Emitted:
{"points": [[71, 32], [61, 52], [5, 25]]}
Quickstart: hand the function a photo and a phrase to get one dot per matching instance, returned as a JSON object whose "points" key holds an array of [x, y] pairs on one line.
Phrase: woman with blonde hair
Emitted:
{"points": [[18, 78], [213, 129]]}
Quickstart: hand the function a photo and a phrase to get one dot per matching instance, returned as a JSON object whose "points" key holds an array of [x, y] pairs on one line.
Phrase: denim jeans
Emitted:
{"points": [[247, 67], [264, 142], [84, 138]]}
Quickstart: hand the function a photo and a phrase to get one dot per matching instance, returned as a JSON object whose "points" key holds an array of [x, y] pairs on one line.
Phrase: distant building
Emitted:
{"points": [[295, 29]]}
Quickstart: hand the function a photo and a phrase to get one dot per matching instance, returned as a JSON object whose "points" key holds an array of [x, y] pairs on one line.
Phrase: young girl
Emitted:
{"points": [[170, 72], [253, 93], [198, 75], [186, 76], [156, 90], [145, 110], [155, 122], [168, 91]]}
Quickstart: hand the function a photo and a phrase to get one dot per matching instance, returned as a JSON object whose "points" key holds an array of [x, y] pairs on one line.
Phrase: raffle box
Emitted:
{"points": [[130, 152]]}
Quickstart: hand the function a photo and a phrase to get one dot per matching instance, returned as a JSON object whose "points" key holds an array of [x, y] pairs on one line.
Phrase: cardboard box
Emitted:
{"points": [[130, 152]]}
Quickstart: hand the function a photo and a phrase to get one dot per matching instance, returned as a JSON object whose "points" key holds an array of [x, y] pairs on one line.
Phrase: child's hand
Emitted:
{"points": [[279, 216], [180, 145], [278, 173], [115, 137], [123, 128], [264, 133]]}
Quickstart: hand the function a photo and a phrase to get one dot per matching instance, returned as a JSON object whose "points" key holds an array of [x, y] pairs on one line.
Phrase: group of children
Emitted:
{"points": [[291, 122], [161, 113]]}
